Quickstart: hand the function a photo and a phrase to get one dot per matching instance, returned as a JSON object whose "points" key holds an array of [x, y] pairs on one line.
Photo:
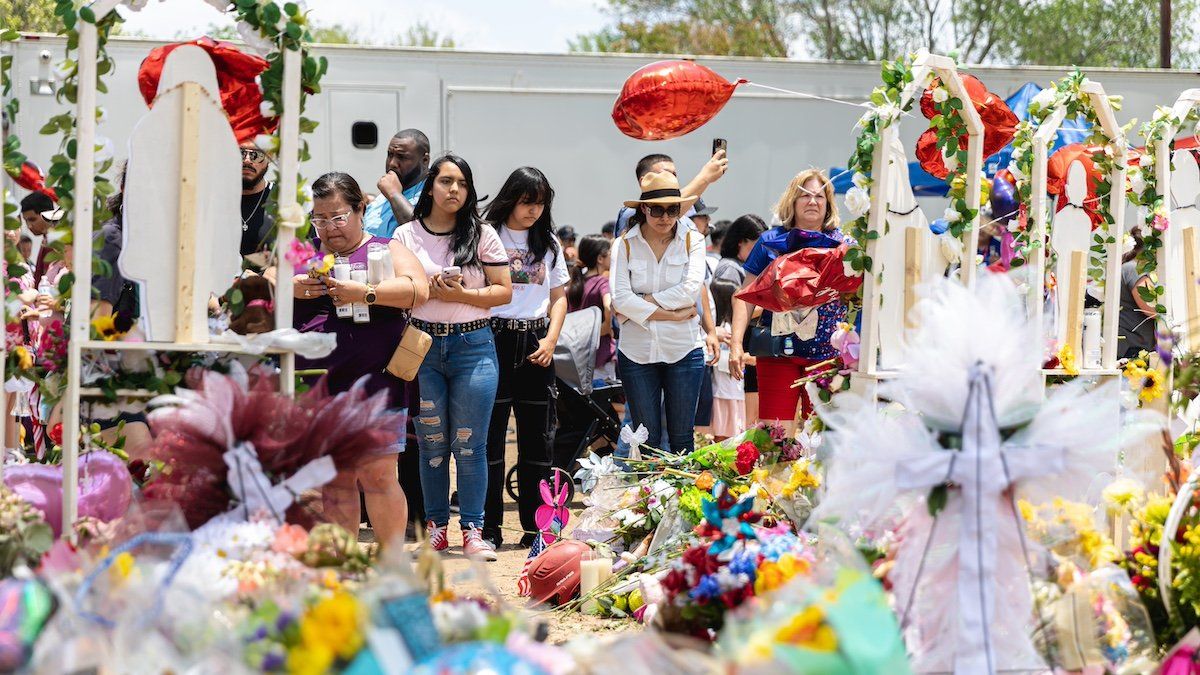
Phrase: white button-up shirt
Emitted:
{"points": [[674, 282]]}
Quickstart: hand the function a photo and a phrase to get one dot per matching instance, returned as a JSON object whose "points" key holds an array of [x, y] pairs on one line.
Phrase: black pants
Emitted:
{"points": [[528, 391]]}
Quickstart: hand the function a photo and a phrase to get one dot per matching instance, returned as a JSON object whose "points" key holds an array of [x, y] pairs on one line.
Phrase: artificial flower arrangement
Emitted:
{"points": [[24, 533], [1091, 614], [734, 561]]}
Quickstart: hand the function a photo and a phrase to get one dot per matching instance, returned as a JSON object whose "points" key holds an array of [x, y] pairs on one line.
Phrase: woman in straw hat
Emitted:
{"points": [[656, 276]]}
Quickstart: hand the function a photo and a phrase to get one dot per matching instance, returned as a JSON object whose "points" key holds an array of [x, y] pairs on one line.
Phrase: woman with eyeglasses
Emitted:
{"points": [[657, 276], [363, 349], [466, 268], [787, 344]]}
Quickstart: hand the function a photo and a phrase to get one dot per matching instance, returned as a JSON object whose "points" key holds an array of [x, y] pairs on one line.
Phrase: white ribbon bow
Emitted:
{"points": [[255, 493], [635, 440], [984, 469]]}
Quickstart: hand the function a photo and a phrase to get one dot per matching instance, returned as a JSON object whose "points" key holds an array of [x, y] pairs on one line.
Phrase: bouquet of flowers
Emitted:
{"points": [[24, 533], [736, 562]]}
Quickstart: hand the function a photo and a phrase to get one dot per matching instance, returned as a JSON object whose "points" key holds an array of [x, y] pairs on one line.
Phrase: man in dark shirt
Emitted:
{"points": [[39, 213], [257, 224]]}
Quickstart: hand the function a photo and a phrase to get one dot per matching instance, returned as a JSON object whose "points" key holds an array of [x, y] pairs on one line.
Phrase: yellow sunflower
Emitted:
{"points": [[1066, 358], [106, 328], [1152, 386], [24, 357]]}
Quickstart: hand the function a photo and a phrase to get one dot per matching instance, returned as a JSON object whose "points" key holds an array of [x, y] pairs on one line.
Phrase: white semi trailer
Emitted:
{"points": [[553, 111]]}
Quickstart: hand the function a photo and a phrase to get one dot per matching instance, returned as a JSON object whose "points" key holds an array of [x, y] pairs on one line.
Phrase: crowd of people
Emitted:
{"points": [[491, 285]]}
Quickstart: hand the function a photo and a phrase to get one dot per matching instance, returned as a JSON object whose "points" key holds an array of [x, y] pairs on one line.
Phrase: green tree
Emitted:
{"points": [[1112, 33], [34, 16], [417, 35]]}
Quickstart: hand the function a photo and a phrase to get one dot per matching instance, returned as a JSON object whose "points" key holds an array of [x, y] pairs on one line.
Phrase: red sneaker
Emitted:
{"points": [[437, 536], [475, 547]]}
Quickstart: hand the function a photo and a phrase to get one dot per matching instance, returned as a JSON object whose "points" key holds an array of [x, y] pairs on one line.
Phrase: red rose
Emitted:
{"points": [[56, 433], [697, 558], [747, 455]]}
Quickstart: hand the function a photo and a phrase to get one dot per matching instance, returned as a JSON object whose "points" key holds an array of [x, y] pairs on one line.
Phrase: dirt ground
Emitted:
{"points": [[464, 576]]}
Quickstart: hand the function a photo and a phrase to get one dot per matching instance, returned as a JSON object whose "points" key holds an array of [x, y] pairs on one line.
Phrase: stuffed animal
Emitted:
{"points": [[257, 313]]}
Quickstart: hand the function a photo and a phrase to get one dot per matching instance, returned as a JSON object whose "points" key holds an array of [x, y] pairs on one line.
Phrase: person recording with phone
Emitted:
{"points": [[404, 175], [468, 272]]}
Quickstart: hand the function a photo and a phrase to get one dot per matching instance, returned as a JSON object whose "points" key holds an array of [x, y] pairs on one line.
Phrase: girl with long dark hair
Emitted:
{"points": [[526, 331], [589, 287], [468, 275]]}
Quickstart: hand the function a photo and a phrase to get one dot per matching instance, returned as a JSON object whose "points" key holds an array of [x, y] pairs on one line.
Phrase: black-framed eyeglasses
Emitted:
{"points": [[657, 211], [253, 155], [340, 220]]}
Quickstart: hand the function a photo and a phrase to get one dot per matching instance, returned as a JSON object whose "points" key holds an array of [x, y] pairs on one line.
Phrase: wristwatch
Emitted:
{"points": [[369, 297]]}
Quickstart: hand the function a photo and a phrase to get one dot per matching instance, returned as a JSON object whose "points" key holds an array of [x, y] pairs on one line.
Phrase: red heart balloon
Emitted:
{"points": [[999, 125], [669, 99]]}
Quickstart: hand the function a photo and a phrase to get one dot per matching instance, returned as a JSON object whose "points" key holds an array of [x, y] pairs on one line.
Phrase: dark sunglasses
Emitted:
{"points": [[253, 155], [657, 211]]}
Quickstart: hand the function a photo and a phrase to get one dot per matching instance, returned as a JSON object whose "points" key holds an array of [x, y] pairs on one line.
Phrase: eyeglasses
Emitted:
{"points": [[657, 211], [253, 155], [340, 220]]}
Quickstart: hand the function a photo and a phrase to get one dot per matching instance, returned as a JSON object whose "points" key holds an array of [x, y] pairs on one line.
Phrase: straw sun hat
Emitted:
{"points": [[661, 187]]}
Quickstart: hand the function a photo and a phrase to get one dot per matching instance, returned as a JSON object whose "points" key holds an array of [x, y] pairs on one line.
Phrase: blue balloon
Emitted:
{"points": [[939, 226], [1004, 201]]}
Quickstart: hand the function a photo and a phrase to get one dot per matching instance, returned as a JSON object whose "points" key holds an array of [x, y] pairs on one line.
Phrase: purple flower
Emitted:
{"points": [[1165, 340], [284, 621], [260, 633], [273, 661]]}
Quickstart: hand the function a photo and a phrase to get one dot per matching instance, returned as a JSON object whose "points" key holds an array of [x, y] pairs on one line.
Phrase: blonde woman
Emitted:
{"points": [[808, 216]]}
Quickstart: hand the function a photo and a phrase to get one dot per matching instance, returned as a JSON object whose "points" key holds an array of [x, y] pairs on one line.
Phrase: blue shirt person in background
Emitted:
{"points": [[406, 167]]}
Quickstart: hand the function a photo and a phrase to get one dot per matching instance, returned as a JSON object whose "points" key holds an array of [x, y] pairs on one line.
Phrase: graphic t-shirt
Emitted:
{"points": [[531, 279], [433, 250]]}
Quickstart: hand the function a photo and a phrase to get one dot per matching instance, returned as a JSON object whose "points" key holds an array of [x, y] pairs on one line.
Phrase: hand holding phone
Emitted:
{"points": [[720, 144], [451, 271]]}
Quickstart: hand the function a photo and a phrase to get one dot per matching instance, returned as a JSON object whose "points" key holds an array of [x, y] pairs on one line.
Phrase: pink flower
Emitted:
{"points": [[1160, 221], [845, 340], [290, 539], [299, 252]]}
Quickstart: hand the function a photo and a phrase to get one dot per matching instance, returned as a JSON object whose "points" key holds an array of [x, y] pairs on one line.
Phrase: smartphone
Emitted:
{"points": [[452, 271], [720, 144]]}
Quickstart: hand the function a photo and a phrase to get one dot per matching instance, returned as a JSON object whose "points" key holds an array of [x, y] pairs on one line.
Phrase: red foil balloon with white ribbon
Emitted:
{"points": [[668, 99]]}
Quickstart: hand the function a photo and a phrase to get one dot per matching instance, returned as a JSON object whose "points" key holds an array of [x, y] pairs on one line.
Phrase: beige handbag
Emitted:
{"points": [[409, 354]]}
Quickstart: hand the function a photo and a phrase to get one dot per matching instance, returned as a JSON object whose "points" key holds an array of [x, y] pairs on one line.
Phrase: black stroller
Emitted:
{"points": [[585, 412]]}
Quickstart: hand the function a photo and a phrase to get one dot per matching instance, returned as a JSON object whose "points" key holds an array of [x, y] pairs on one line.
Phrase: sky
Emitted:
{"points": [[487, 25]]}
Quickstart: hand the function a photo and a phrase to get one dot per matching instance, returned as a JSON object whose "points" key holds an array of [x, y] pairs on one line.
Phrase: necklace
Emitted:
{"points": [[261, 196]]}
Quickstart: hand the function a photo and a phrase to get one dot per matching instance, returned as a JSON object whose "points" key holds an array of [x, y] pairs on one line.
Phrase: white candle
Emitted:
{"points": [[591, 574], [1091, 338]]}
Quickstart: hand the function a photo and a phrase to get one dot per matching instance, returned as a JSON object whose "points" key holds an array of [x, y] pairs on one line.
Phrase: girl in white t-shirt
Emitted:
{"points": [[526, 331], [729, 408]]}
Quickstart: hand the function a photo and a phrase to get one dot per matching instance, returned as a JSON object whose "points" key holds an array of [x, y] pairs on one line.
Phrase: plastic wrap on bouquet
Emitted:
{"points": [[809, 277], [1098, 622]]}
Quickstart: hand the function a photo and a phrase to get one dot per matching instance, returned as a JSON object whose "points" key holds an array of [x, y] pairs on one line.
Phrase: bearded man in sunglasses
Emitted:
{"points": [[257, 222]]}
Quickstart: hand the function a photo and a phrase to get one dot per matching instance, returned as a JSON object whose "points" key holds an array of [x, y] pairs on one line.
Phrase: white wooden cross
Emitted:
{"points": [[869, 369], [288, 162], [983, 470], [1182, 298], [1039, 212]]}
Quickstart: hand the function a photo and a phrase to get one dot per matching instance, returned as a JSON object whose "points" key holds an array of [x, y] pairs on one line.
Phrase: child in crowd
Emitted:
{"points": [[729, 409], [589, 288]]}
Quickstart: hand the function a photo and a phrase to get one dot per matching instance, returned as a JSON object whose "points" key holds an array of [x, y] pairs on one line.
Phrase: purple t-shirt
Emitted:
{"points": [[594, 290], [362, 348]]}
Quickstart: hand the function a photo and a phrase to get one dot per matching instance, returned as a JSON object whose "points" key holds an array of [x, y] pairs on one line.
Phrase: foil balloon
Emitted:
{"points": [[999, 126], [1004, 200], [241, 96], [667, 99], [105, 487], [1059, 165]]}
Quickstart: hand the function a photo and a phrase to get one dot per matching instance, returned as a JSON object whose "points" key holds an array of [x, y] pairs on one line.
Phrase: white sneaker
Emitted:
{"points": [[474, 545]]}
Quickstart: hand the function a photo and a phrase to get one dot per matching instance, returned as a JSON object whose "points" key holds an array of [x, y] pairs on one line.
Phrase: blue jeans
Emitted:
{"points": [[653, 389], [458, 389]]}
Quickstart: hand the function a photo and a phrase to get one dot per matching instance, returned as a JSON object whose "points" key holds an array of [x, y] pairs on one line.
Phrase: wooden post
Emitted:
{"points": [[81, 289], [914, 258], [1076, 288], [189, 159], [1110, 330], [289, 165], [1191, 268]]}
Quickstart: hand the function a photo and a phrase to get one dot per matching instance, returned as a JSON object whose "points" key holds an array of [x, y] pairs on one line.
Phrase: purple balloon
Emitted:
{"points": [[1004, 200], [105, 487]]}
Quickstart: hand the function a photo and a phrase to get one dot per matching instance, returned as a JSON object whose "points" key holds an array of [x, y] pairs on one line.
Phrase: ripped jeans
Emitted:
{"points": [[527, 391], [458, 388]]}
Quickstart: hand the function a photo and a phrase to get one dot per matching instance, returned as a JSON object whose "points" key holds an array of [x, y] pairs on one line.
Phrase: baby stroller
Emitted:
{"points": [[585, 411]]}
